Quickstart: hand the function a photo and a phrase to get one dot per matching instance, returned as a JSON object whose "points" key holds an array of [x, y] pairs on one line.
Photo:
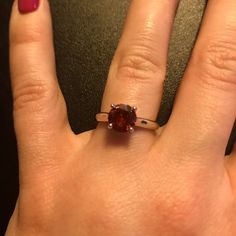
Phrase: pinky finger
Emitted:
{"points": [[40, 115]]}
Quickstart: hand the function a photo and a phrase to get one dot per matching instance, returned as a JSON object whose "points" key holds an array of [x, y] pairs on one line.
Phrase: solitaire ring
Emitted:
{"points": [[123, 118]]}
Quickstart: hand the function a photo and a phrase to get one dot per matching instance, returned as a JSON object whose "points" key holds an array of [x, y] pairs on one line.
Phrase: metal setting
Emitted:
{"points": [[140, 122], [110, 126]]}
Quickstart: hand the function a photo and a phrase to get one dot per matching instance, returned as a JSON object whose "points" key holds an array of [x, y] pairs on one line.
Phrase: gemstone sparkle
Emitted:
{"points": [[122, 118]]}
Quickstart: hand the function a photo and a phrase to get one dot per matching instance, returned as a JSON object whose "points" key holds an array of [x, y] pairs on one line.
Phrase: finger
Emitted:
{"points": [[39, 108], [205, 108], [139, 65]]}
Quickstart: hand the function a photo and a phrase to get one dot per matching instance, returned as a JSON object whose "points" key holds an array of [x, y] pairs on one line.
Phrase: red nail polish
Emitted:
{"points": [[26, 6]]}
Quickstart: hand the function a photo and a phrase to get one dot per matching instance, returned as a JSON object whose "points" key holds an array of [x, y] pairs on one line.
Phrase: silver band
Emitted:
{"points": [[140, 122]]}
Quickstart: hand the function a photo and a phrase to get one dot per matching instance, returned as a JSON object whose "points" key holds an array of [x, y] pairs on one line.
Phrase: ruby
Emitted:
{"points": [[122, 118]]}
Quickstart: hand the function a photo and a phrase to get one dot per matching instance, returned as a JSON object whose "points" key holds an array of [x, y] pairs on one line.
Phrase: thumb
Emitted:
{"points": [[40, 115]]}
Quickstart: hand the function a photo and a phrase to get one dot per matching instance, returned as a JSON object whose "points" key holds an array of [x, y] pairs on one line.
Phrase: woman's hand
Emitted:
{"points": [[175, 181]]}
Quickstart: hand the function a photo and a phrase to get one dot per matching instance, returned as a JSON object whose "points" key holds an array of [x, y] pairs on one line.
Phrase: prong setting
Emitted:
{"points": [[110, 126], [131, 130]]}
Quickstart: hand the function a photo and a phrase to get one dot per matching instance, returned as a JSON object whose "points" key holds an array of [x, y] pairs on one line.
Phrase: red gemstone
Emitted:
{"points": [[122, 117]]}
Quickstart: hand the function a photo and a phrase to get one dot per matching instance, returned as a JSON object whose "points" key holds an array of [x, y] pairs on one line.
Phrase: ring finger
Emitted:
{"points": [[138, 69]]}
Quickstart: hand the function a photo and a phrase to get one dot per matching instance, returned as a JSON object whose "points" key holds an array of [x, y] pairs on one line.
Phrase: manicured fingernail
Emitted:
{"points": [[26, 6]]}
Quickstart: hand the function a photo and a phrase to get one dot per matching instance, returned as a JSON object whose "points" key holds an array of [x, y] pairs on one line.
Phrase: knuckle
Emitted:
{"points": [[216, 63], [32, 93], [32, 34], [139, 64]]}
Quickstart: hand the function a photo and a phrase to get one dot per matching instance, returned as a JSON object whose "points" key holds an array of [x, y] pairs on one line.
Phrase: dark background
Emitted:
{"points": [[86, 33]]}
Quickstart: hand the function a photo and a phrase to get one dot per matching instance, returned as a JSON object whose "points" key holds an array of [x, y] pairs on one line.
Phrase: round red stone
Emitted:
{"points": [[122, 117]]}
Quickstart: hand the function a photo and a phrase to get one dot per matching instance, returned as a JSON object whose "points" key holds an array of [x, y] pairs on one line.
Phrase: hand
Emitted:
{"points": [[175, 181]]}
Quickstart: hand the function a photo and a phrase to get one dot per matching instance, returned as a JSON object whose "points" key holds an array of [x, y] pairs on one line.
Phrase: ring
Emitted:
{"points": [[123, 118]]}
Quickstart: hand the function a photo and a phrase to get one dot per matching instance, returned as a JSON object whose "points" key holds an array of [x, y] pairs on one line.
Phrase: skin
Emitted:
{"points": [[175, 181]]}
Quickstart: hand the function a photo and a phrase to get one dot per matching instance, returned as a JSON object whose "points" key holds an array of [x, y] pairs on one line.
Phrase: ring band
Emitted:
{"points": [[123, 118]]}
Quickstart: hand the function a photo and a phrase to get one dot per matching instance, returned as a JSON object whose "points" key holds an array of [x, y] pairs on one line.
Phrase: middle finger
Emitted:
{"points": [[205, 108]]}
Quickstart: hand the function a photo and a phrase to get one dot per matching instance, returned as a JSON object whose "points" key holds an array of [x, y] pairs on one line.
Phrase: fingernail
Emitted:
{"points": [[26, 6]]}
